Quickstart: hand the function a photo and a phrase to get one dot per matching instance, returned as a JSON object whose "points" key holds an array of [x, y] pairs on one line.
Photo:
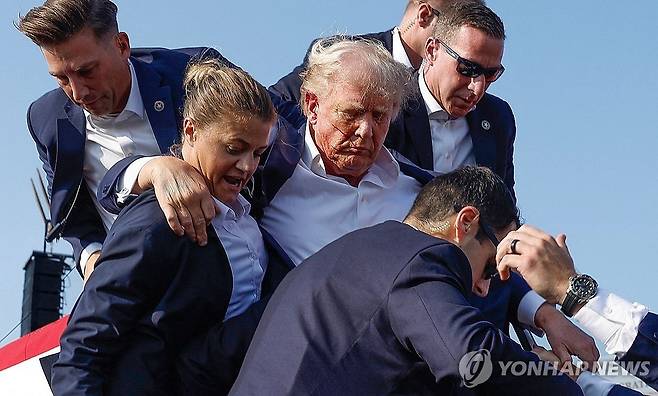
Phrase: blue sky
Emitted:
{"points": [[581, 79]]}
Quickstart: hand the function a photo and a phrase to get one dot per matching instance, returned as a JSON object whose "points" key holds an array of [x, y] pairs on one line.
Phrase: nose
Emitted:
{"points": [[481, 287], [364, 131], [478, 85], [247, 164], [78, 89]]}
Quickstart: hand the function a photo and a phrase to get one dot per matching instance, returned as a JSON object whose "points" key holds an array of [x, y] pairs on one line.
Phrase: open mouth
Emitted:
{"points": [[234, 181]]}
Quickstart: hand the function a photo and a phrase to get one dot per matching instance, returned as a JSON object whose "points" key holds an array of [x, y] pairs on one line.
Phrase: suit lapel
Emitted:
{"points": [[71, 134], [158, 104], [417, 127], [482, 134]]}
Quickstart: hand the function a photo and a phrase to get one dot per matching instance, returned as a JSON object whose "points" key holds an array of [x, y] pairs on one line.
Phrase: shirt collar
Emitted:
{"points": [[384, 171], [399, 54], [134, 105], [235, 211]]}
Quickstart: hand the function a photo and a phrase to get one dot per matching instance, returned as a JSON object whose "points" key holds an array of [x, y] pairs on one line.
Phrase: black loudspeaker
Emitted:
{"points": [[43, 290]]}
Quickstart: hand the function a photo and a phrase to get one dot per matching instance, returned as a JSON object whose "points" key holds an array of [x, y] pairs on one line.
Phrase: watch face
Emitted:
{"points": [[584, 287]]}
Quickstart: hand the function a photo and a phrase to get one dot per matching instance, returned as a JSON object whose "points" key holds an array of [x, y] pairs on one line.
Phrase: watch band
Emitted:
{"points": [[570, 302]]}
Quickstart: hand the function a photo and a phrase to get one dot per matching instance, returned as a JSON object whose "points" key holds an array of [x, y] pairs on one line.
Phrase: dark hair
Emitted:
{"points": [[56, 21], [470, 186], [468, 13]]}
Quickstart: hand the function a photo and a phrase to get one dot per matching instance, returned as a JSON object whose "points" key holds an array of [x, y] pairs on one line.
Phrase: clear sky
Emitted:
{"points": [[580, 77]]}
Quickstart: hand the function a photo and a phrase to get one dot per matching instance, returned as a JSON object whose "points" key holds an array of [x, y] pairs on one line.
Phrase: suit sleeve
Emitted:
{"points": [[288, 87], [432, 318], [132, 273], [84, 225], [644, 351], [106, 193]]}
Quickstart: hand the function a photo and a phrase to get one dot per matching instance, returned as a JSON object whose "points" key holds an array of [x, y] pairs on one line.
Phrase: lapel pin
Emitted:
{"points": [[158, 105], [486, 125]]}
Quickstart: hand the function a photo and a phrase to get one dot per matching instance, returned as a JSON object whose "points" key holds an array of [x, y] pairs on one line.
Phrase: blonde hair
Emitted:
{"points": [[216, 93], [371, 66]]}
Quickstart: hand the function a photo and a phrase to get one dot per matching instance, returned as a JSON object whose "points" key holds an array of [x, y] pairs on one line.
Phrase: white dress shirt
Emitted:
{"points": [[398, 52], [240, 236], [612, 320], [452, 146], [313, 209], [110, 139]]}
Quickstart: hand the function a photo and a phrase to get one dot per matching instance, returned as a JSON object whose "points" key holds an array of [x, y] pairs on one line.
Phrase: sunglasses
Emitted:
{"points": [[471, 69], [490, 270]]}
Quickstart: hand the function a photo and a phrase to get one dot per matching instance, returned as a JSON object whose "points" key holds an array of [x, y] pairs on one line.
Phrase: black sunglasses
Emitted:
{"points": [[471, 69], [490, 270]]}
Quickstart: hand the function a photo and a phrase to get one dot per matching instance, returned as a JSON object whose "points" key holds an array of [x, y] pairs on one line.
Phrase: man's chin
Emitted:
{"points": [[97, 109]]}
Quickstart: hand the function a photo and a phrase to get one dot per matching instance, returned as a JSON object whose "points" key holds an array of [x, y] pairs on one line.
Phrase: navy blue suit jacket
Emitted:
{"points": [[491, 126], [288, 86], [150, 294], [379, 327], [58, 127]]}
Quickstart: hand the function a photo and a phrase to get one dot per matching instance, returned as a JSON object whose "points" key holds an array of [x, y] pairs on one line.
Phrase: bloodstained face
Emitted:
{"points": [[348, 126]]}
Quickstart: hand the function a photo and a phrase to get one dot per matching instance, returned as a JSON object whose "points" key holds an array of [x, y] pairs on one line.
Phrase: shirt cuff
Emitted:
{"points": [[87, 252], [594, 385], [612, 320], [528, 308], [128, 179]]}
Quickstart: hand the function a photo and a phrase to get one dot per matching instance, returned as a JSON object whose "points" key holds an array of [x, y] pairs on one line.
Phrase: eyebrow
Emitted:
{"points": [[87, 65], [84, 66], [246, 143]]}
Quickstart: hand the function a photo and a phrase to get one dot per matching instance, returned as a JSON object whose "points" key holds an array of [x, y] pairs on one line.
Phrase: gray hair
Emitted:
{"points": [[468, 13], [371, 66]]}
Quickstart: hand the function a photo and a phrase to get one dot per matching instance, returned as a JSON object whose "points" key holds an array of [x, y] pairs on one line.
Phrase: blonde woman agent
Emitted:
{"points": [[152, 290]]}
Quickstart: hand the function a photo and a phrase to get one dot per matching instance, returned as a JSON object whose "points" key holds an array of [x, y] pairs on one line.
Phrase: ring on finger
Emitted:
{"points": [[512, 246]]}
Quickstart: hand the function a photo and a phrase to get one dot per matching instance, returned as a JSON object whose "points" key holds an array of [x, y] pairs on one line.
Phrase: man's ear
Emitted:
{"points": [[189, 131], [432, 47], [465, 223], [311, 102], [122, 42], [424, 15]]}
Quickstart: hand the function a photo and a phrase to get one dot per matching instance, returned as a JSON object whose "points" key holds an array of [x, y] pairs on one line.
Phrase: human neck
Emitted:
{"points": [[408, 37], [125, 83]]}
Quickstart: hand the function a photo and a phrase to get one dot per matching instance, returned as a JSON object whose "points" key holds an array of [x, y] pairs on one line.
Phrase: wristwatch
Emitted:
{"points": [[581, 289]]}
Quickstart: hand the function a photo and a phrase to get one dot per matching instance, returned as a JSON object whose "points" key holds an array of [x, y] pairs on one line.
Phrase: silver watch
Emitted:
{"points": [[581, 289]]}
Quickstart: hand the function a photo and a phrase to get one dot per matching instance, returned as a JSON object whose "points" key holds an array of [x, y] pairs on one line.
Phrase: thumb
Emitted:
{"points": [[561, 240]]}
